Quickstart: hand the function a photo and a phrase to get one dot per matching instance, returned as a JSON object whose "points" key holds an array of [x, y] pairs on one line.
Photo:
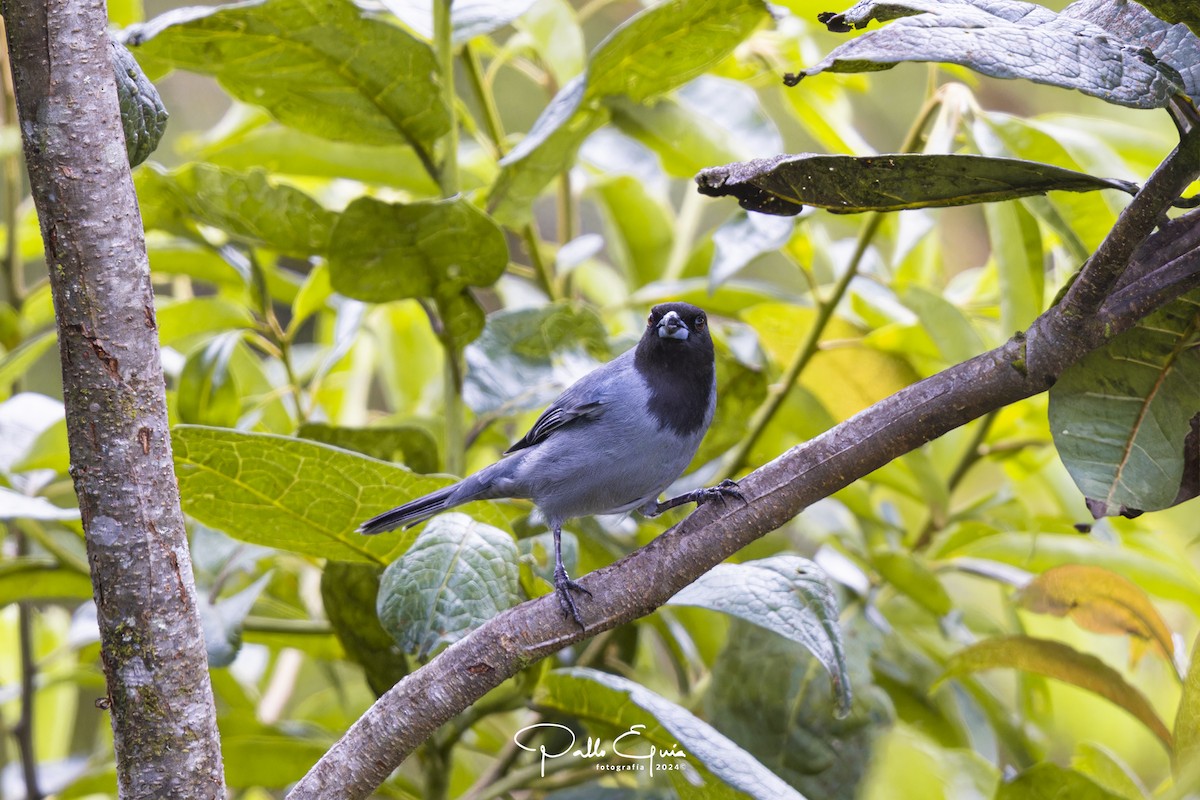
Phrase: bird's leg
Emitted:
{"points": [[725, 488], [563, 585]]}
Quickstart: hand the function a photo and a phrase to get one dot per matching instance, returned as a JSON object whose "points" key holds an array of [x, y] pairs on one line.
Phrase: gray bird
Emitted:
{"points": [[611, 443]]}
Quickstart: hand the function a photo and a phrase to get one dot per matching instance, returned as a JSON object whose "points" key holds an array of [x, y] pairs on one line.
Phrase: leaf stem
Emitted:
{"points": [[444, 46], [483, 95]]}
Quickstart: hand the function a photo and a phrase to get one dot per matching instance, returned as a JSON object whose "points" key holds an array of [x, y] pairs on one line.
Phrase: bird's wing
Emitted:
{"points": [[564, 411]]}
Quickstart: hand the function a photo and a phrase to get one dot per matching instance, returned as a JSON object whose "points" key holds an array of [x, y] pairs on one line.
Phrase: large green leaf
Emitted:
{"points": [[723, 770], [322, 66], [768, 694], [1056, 660], [410, 445], [247, 206], [292, 494], [784, 184], [786, 594], [652, 53], [436, 249], [457, 575], [1120, 416]]}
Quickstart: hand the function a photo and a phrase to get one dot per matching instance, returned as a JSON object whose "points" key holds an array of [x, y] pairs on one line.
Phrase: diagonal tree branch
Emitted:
{"points": [[152, 646], [644, 580]]}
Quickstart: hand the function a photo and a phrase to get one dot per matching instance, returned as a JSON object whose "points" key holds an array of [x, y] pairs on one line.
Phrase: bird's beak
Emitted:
{"points": [[672, 327]]}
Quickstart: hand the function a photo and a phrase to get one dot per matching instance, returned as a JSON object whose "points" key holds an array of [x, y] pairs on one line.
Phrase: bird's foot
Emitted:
{"points": [[563, 586], [724, 489]]}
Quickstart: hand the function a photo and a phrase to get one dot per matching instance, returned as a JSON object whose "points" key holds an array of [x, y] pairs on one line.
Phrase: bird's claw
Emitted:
{"points": [[563, 586], [724, 489]]}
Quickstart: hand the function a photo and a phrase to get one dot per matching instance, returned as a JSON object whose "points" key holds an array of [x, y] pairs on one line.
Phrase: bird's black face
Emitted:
{"points": [[681, 323]]}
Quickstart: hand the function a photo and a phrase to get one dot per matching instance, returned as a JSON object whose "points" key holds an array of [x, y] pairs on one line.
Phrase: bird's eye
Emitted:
{"points": [[699, 323], [650, 320]]}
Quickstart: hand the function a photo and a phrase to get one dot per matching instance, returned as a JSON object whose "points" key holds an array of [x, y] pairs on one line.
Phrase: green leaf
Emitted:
{"points": [[208, 393], [652, 53], [1176, 11], [554, 28], [16, 363], [743, 238], [1061, 662], [39, 578], [784, 184], [786, 594], [349, 593], [526, 357], [457, 575], [641, 228], [1106, 769], [223, 621], [180, 319], [382, 252], [245, 205], [1019, 256], [910, 576], [292, 494], [768, 694], [143, 115], [1012, 39], [268, 758], [1120, 416], [287, 151], [620, 704], [321, 66], [409, 445], [1051, 782], [1187, 717]]}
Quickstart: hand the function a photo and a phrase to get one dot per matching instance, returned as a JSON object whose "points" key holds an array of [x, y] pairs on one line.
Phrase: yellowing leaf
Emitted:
{"points": [[1099, 600]]}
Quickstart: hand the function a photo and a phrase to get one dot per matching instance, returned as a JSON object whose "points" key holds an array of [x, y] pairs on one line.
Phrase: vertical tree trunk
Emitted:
{"points": [[151, 641]]}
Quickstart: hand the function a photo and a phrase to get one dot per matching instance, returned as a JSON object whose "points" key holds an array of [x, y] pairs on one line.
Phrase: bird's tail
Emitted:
{"points": [[412, 512]]}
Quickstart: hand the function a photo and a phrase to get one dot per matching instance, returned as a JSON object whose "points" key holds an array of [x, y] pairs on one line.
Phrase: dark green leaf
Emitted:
{"points": [[349, 593], [458, 574], [1009, 39], [295, 495], [769, 695], [1183, 11], [786, 594], [616, 703], [409, 445], [783, 185], [208, 394], [1121, 415], [526, 357], [321, 66], [268, 758], [143, 115], [1051, 782], [382, 252]]}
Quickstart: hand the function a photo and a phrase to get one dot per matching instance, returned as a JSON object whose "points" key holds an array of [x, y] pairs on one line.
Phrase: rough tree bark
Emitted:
{"points": [[152, 645], [1119, 285]]}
